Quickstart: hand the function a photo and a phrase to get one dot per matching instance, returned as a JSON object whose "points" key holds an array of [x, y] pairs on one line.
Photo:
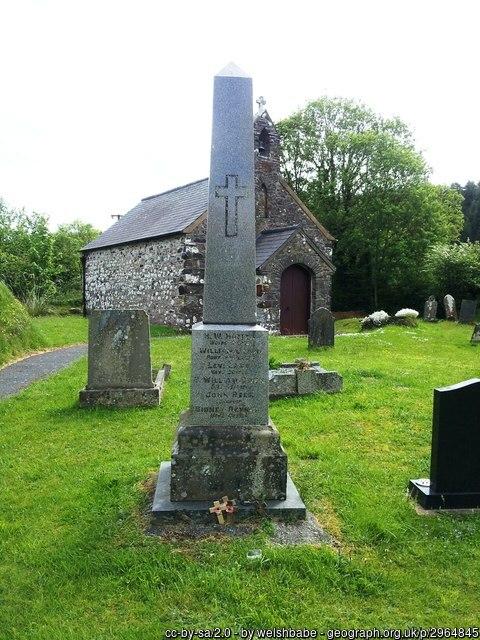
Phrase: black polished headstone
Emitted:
{"points": [[455, 459], [468, 311]]}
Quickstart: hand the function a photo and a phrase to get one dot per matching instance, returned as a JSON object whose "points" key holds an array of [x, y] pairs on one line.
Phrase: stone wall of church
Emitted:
{"points": [[298, 251], [164, 277]]}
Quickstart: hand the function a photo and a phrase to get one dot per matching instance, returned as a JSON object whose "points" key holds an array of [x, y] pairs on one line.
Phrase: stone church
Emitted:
{"points": [[153, 257]]}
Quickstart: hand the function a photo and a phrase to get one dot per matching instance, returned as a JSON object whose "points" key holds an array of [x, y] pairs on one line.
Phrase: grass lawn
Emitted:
{"points": [[59, 331], [74, 563]]}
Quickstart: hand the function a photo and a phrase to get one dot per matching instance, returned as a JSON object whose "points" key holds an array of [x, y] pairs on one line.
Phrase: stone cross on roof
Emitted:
{"points": [[261, 105]]}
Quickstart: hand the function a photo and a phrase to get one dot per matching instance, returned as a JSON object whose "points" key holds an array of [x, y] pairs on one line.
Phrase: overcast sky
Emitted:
{"points": [[105, 102]]}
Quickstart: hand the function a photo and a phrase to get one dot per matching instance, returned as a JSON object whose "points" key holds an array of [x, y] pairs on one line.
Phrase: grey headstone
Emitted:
{"points": [[450, 307], [230, 284], [119, 350], [475, 339], [454, 481], [468, 310], [321, 329], [430, 310], [119, 365]]}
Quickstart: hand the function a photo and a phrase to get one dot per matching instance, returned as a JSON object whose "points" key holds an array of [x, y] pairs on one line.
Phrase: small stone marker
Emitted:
{"points": [[119, 365], [467, 311], [475, 339], [450, 307], [455, 459], [321, 329], [430, 310]]}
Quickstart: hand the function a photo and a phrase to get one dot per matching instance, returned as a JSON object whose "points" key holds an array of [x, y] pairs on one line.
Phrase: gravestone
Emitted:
{"points": [[468, 310], [226, 444], [475, 339], [119, 366], [321, 329], [430, 310], [450, 307], [454, 481]]}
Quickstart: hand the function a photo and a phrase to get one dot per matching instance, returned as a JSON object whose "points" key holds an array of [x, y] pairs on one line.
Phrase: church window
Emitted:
{"points": [[264, 143], [264, 201]]}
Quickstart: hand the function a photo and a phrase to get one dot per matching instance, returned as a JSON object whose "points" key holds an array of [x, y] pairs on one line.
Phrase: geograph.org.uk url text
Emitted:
{"points": [[329, 634]]}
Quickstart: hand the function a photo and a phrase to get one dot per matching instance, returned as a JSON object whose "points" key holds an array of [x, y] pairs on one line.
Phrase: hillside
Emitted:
{"points": [[17, 332]]}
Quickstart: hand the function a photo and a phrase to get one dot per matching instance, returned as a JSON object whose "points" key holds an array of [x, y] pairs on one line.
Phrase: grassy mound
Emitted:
{"points": [[17, 332]]}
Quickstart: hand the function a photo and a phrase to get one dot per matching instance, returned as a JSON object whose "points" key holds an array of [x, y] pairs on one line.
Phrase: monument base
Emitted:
{"points": [[422, 493], [166, 510], [245, 463], [123, 398]]}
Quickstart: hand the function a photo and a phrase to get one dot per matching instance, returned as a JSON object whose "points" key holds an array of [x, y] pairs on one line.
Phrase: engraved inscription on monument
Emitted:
{"points": [[228, 384], [232, 193]]}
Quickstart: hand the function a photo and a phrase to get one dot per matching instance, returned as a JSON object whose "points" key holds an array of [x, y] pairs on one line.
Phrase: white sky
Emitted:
{"points": [[105, 102]]}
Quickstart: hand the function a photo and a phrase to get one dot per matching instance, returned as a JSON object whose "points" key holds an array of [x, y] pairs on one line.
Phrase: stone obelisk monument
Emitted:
{"points": [[225, 443]]}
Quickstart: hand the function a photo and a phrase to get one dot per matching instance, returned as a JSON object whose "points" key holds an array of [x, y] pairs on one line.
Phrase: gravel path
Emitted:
{"points": [[17, 376]]}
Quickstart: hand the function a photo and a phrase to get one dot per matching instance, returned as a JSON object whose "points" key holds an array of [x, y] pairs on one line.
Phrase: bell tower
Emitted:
{"points": [[267, 164]]}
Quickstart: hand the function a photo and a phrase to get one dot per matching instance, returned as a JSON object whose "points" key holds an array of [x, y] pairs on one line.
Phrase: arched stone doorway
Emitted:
{"points": [[295, 288]]}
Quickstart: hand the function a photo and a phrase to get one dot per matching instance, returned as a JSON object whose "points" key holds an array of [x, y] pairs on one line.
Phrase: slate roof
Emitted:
{"points": [[270, 241], [174, 211], [160, 215]]}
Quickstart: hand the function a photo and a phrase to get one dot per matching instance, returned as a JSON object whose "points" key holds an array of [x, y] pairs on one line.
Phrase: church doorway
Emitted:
{"points": [[295, 289]]}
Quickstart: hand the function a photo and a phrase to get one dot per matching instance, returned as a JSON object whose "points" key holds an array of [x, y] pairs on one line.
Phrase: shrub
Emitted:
{"points": [[406, 313], [37, 304], [406, 317]]}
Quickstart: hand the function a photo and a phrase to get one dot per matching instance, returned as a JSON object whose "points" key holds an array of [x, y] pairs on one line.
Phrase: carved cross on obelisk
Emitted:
{"points": [[232, 193]]}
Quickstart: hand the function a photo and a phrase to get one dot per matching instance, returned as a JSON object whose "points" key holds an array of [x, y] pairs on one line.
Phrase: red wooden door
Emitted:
{"points": [[294, 300]]}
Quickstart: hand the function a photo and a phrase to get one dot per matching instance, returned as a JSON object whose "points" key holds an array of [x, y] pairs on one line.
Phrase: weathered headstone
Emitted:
{"points": [[468, 310], [454, 481], [321, 329], [450, 307], [119, 366], [226, 444], [430, 310], [475, 339]]}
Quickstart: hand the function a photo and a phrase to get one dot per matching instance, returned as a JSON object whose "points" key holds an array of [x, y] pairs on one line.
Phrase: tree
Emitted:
{"points": [[39, 264], [26, 252], [361, 175], [393, 230], [67, 242], [454, 269], [471, 210]]}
